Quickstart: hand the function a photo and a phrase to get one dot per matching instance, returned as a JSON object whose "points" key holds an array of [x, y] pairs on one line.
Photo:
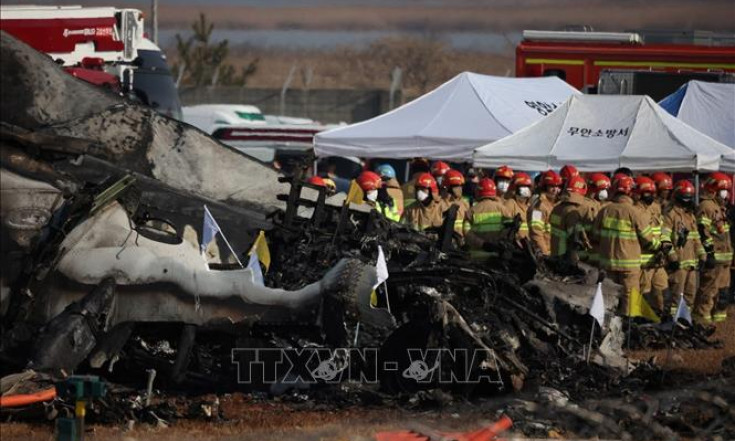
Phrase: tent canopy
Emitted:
{"points": [[604, 132], [708, 107], [451, 121]]}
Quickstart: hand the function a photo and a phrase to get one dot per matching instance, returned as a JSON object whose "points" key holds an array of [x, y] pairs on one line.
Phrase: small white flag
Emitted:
{"points": [[381, 268], [597, 310], [683, 311], [255, 270], [209, 229]]}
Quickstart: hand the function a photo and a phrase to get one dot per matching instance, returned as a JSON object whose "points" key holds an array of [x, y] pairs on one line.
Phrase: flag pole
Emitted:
{"points": [[387, 300], [592, 333]]}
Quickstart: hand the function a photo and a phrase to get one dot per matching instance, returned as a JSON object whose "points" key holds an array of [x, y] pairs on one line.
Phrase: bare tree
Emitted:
{"points": [[201, 62]]}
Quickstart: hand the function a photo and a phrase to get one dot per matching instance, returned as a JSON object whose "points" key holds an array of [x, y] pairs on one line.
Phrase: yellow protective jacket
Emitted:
{"points": [[676, 220], [713, 219], [538, 218], [462, 212], [653, 211], [420, 217], [395, 191], [618, 233], [517, 206], [572, 219], [484, 224]]}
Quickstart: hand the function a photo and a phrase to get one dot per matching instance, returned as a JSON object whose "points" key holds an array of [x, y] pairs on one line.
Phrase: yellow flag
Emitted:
{"points": [[355, 195], [260, 246], [639, 307]]}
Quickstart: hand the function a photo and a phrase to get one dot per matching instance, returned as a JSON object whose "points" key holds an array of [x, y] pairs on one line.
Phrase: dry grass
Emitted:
{"points": [[603, 15]]}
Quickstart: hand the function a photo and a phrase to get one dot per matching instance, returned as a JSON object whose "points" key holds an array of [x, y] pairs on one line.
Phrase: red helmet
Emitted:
{"points": [[550, 178], [684, 188], [577, 184], [599, 181], [425, 180], [644, 184], [503, 172], [369, 181], [522, 180], [617, 176], [663, 181], [316, 180], [453, 178], [717, 181], [567, 172], [623, 184], [439, 168], [486, 189]]}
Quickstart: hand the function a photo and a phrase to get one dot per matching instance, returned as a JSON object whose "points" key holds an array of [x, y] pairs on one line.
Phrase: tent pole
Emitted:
{"points": [[407, 175], [696, 187]]}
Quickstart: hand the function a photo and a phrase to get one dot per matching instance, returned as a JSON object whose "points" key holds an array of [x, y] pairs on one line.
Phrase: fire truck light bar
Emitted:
{"points": [[603, 37]]}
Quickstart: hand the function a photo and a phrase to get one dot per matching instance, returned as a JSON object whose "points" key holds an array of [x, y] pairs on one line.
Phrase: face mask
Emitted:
{"points": [[647, 198], [439, 180], [421, 195], [723, 194], [684, 201], [372, 195], [503, 186], [457, 192], [524, 192], [602, 195]]}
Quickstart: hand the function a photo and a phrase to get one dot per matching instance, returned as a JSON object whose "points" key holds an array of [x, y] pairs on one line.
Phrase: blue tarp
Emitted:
{"points": [[672, 103]]}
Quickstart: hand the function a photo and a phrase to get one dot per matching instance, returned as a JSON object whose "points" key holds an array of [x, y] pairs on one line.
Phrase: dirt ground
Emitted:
{"points": [[246, 418]]}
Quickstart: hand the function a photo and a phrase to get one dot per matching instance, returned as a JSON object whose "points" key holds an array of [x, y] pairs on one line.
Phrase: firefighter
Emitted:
{"points": [[680, 225], [540, 211], [438, 170], [516, 204], [426, 211], [619, 231], [571, 221], [654, 280], [376, 196], [453, 183], [419, 166], [599, 187], [715, 232], [388, 174], [567, 172], [664, 185], [485, 220], [503, 176]]}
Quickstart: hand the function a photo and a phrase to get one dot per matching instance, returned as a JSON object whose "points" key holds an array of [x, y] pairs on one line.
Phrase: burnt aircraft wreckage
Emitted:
{"points": [[102, 207]]}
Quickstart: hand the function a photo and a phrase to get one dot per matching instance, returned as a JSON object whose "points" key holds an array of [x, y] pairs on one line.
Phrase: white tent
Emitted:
{"points": [[451, 121], [708, 107], [604, 132]]}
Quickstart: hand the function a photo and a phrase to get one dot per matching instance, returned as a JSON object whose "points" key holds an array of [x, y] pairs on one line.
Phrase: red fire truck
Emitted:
{"points": [[580, 58], [104, 46]]}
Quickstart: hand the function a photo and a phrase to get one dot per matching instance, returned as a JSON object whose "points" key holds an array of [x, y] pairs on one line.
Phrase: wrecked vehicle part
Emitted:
{"points": [[39, 96], [68, 338]]}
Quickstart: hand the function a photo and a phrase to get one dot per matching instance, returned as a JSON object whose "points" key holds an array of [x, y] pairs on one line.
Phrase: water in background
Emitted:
{"points": [[488, 42]]}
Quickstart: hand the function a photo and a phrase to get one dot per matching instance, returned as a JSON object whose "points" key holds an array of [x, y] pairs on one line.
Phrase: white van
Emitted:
{"points": [[210, 117]]}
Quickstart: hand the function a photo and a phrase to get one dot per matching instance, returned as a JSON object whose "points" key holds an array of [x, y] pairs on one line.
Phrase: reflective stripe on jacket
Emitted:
{"points": [[570, 220], [539, 225], [711, 215], [619, 231], [676, 220], [516, 206]]}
